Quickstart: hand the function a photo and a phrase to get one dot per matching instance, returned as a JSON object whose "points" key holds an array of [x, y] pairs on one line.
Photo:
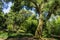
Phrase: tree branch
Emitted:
{"points": [[37, 6], [34, 3]]}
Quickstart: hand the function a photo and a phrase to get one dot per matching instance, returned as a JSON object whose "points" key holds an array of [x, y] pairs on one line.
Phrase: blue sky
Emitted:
{"points": [[6, 6]]}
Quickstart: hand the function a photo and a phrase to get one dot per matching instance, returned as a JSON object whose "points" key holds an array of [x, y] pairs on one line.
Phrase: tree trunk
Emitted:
{"points": [[38, 33], [41, 25]]}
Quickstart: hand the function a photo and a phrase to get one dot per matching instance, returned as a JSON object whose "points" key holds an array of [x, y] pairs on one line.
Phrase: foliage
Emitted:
{"points": [[15, 24], [56, 26], [52, 28], [3, 34]]}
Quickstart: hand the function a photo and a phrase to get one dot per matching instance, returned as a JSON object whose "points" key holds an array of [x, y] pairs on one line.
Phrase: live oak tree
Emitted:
{"points": [[45, 8]]}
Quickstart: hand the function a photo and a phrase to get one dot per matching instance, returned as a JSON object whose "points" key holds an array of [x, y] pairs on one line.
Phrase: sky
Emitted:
{"points": [[6, 6]]}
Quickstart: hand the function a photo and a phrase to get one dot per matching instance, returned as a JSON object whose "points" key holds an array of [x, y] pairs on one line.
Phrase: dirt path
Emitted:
{"points": [[2, 39], [27, 38]]}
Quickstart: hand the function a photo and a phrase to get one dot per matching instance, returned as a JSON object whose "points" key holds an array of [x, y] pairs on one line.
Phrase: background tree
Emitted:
{"points": [[2, 21], [1, 5]]}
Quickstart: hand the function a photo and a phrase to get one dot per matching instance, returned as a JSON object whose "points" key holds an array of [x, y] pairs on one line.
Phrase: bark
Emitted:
{"points": [[38, 33], [41, 25]]}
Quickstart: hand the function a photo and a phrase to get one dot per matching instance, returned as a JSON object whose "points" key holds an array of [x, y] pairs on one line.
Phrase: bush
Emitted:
{"points": [[3, 34], [53, 27]]}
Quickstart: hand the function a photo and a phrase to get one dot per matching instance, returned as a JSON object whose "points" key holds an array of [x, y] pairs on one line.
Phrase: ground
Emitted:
{"points": [[27, 38]]}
